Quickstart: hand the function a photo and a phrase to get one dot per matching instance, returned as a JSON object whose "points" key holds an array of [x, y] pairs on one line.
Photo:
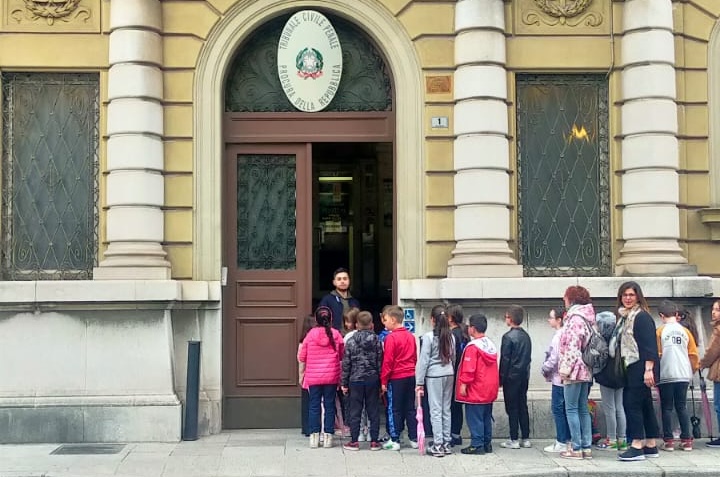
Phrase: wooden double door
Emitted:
{"points": [[268, 235]]}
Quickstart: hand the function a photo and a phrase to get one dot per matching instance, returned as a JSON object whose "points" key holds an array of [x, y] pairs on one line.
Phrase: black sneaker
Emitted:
{"points": [[488, 448], [632, 454], [473, 450], [456, 441], [651, 452], [714, 443]]}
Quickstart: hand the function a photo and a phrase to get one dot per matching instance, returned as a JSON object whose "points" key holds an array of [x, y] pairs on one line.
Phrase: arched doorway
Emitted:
{"points": [[303, 194]]}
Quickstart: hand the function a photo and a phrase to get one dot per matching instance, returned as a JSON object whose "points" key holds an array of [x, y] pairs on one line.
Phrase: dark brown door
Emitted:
{"points": [[268, 217]]}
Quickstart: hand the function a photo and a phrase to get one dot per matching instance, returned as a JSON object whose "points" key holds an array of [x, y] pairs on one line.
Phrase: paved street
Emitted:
{"points": [[286, 453]]}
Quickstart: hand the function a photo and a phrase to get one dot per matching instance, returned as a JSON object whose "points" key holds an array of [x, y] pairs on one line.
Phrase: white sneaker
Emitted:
{"points": [[510, 444], [363, 437], [391, 445], [328, 441], [413, 443], [525, 443], [314, 440], [556, 448]]}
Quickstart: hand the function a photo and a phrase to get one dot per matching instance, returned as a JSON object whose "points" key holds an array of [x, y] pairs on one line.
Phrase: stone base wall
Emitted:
{"points": [[105, 361]]}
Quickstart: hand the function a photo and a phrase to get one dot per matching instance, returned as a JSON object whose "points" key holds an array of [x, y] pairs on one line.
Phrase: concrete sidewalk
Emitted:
{"points": [[286, 453]]}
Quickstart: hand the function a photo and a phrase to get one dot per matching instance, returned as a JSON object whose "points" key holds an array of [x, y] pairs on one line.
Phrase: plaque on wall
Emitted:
{"points": [[309, 61]]}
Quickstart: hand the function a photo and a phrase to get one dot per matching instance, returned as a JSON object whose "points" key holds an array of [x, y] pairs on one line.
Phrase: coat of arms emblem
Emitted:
{"points": [[309, 63]]}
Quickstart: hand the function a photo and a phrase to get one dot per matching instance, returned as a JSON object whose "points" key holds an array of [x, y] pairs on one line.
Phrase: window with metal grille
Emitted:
{"points": [[563, 175], [49, 175]]}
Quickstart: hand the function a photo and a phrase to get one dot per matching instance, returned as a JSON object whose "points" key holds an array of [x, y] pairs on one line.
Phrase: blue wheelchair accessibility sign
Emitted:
{"points": [[409, 319]]}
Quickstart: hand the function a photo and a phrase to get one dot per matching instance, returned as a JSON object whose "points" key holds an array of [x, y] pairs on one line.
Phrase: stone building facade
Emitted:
{"points": [[158, 187]]}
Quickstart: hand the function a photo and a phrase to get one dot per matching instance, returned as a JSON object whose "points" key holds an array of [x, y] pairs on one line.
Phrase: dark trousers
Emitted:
{"points": [[479, 421], [515, 394], [401, 407], [367, 396], [325, 394], [639, 413], [456, 414], [305, 412], [674, 395]]}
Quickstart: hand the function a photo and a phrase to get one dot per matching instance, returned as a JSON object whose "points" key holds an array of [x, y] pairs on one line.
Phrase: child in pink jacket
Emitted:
{"points": [[321, 351]]}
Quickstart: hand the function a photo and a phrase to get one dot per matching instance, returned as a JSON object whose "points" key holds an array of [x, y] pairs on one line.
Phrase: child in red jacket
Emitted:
{"points": [[398, 378], [478, 381]]}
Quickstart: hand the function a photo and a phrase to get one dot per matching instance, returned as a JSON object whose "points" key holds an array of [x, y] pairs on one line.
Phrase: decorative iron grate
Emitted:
{"points": [[253, 84], [50, 145], [266, 212], [563, 175]]}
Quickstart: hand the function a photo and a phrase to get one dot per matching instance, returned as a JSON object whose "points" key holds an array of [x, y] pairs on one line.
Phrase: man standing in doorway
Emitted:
{"points": [[339, 300]]}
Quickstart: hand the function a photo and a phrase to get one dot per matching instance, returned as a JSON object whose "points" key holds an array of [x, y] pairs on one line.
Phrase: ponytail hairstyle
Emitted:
{"points": [[323, 317], [455, 312], [686, 319], [442, 331]]}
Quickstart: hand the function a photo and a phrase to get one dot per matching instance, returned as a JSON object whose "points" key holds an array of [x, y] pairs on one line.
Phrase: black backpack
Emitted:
{"points": [[595, 353]]}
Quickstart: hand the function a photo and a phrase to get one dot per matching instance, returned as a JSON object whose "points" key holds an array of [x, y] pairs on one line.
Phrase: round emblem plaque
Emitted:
{"points": [[309, 61]]}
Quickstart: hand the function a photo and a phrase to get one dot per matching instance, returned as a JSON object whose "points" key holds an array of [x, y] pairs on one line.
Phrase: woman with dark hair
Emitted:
{"points": [[639, 352], [574, 372], [711, 360]]}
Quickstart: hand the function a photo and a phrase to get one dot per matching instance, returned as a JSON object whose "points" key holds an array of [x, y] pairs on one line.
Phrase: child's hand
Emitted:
{"points": [[344, 389], [383, 388], [463, 389]]}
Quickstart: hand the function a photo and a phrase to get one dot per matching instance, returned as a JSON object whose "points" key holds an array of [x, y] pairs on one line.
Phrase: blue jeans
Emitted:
{"points": [[578, 416], [562, 430], [479, 421], [324, 393], [716, 399]]}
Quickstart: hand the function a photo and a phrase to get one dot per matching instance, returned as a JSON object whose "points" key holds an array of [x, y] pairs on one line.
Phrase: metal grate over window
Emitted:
{"points": [[266, 212], [50, 144], [563, 174]]}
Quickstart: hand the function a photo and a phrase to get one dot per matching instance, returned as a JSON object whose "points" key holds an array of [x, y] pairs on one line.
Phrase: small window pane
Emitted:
{"points": [[50, 147]]}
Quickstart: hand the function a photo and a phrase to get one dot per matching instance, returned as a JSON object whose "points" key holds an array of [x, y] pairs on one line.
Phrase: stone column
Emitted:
{"points": [[650, 187], [135, 184], [481, 149]]}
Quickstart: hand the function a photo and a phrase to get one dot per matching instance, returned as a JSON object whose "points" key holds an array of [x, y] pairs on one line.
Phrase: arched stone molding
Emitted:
{"points": [[208, 146]]}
